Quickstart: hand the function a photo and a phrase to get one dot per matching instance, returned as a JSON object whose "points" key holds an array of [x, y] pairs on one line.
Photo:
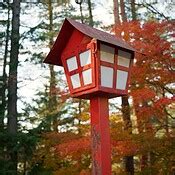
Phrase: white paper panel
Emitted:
{"points": [[107, 76], [124, 58], [87, 76], [72, 63], [85, 58], [75, 79], [122, 77], [107, 53]]}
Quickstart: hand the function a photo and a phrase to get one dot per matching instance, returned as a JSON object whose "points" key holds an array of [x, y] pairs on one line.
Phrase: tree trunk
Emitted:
{"points": [[116, 12], [52, 88], [81, 12], [91, 22], [79, 115], [133, 10], [128, 160], [52, 98], [4, 75], [126, 114], [12, 82], [123, 13]]}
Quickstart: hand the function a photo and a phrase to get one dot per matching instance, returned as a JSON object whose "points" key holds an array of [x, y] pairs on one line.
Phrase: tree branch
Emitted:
{"points": [[152, 9]]}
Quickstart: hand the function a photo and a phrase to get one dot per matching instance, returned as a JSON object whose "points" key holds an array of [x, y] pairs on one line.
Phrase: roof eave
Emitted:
{"points": [[54, 56]]}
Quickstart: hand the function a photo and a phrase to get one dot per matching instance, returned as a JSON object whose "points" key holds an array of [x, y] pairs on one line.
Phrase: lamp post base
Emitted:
{"points": [[100, 134]]}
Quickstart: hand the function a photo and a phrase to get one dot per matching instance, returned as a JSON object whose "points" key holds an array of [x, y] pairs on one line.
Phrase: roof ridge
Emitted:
{"points": [[118, 39]]}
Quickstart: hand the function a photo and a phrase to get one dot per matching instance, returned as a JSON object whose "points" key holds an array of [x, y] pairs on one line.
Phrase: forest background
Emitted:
{"points": [[43, 131]]}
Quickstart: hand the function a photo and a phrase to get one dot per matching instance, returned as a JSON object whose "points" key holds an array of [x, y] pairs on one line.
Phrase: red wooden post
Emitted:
{"points": [[100, 134]]}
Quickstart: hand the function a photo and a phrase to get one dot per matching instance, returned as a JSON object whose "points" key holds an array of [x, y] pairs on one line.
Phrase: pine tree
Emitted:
{"points": [[12, 83], [3, 78]]}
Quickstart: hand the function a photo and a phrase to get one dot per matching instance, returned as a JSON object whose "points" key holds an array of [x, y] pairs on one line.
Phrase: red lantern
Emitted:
{"points": [[97, 67], [95, 62]]}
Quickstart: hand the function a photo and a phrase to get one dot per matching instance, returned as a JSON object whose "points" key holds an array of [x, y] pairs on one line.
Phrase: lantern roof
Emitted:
{"points": [[54, 56]]}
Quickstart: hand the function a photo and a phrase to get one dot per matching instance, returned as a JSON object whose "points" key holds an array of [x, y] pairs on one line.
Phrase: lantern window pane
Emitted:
{"points": [[107, 53], [72, 63], [122, 77], [124, 58], [85, 58], [107, 76], [75, 79], [87, 76]]}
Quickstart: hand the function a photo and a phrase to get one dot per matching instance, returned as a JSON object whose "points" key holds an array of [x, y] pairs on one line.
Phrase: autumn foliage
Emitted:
{"points": [[152, 93]]}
